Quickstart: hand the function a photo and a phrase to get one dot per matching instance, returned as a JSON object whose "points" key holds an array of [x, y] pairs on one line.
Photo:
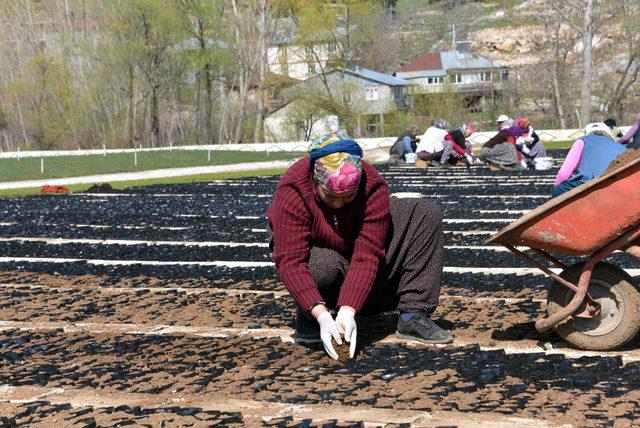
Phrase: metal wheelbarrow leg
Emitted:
{"points": [[582, 287]]}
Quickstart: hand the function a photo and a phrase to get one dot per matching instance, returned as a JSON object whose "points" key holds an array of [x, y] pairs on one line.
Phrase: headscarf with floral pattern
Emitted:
{"points": [[337, 162]]}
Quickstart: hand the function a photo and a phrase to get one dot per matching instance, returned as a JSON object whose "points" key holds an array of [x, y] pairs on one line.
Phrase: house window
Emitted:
{"points": [[332, 47], [346, 97], [308, 49], [371, 93], [457, 78], [505, 76], [434, 80], [486, 77], [311, 68]]}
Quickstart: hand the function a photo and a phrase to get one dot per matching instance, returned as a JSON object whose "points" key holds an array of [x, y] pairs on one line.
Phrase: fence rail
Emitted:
{"points": [[547, 135]]}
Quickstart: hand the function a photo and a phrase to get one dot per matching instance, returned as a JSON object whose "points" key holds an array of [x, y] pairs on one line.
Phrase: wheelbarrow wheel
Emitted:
{"points": [[619, 319]]}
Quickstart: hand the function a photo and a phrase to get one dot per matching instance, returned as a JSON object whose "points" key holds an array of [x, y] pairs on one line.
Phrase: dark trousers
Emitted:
{"points": [[409, 279]]}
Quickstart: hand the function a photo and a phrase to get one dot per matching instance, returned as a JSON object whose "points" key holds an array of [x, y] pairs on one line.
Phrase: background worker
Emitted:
{"points": [[632, 137], [406, 143], [500, 151], [461, 146], [340, 242], [587, 159], [529, 144], [612, 123], [433, 145], [501, 121]]}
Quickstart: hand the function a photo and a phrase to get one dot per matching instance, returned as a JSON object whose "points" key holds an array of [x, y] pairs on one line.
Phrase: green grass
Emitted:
{"points": [[169, 180], [76, 166], [565, 144]]}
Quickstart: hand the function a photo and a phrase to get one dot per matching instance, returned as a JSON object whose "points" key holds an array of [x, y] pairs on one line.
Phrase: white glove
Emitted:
{"points": [[524, 163], [525, 149], [328, 331], [528, 140], [347, 326], [470, 159]]}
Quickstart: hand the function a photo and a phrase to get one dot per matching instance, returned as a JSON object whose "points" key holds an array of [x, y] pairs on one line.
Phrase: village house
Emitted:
{"points": [[474, 76], [368, 94]]}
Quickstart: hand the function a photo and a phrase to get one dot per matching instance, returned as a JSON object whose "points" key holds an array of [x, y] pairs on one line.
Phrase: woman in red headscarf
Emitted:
{"points": [[528, 144]]}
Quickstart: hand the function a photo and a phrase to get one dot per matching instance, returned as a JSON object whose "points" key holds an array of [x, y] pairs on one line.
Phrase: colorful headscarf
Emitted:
{"points": [[523, 123], [467, 129], [337, 162]]}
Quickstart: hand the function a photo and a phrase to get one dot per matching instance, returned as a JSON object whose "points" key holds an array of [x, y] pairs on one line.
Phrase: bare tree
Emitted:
{"points": [[586, 18]]}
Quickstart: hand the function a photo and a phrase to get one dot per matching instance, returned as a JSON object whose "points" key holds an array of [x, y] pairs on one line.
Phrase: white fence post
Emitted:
{"points": [[135, 157], [41, 165]]}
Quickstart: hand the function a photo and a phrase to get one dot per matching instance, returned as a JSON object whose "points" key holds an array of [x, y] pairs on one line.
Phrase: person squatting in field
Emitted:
{"points": [[529, 145], [587, 159], [500, 151], [632, 137], [340, 242], [405, 143], [462, 150], [434, 145]]}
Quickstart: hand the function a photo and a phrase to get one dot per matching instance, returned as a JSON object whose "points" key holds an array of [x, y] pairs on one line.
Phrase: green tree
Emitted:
{"points": [[148, 36], [45, 93]]}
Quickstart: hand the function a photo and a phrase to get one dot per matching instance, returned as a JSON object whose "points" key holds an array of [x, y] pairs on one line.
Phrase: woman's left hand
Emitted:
{"points": [[347, 327]]}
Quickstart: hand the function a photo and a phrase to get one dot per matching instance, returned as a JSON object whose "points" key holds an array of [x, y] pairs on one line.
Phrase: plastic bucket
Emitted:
{"points": [[410, 157], [542, 164]]}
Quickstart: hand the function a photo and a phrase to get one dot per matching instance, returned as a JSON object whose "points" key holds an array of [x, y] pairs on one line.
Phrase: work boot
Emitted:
{"points": [[420, 327], [307, 328]]}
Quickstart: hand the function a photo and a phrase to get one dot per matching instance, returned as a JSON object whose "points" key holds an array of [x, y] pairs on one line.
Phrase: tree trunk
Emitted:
{"points": [[131, 111], [208, 99], [557, 94], [155, 117], [587, 48], [257, 134]]}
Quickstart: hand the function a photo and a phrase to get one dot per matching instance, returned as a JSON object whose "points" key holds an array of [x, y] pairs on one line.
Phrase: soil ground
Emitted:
{"points": [[143, 328]]}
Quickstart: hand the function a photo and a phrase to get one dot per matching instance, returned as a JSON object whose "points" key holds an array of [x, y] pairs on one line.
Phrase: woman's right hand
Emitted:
{"points": [[328, 331]]}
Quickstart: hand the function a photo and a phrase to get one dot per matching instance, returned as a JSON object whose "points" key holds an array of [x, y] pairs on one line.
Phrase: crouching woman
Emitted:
{"points": [[341, 243], [588, 158]]}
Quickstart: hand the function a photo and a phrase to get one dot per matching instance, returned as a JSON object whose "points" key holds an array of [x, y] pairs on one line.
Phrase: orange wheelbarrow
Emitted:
{"points": [[593, 304]]}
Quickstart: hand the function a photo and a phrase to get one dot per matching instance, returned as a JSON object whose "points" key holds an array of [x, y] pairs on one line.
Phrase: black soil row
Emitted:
{"points": [[385, 376]]}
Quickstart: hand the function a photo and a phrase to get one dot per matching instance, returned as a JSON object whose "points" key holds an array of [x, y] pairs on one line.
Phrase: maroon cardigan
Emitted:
{"points": [[300, 221]]}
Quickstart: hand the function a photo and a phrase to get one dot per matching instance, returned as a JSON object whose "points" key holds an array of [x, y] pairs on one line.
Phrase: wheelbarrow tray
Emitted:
{"points": [[582, 220]]}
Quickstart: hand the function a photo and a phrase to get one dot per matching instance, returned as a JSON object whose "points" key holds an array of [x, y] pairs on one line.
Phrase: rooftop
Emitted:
{"points": [[447, 60]]}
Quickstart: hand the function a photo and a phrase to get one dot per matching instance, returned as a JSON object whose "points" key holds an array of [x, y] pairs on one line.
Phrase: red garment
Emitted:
{"points": [[512, 140], [357, 230], [456, 147]]}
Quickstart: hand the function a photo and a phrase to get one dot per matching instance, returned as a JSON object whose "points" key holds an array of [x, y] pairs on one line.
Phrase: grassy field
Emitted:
{"points": [[559, 144], [166, 161], [75, 166], [169, 180]]}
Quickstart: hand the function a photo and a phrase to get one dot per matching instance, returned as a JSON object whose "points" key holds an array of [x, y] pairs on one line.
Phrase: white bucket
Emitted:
{"points": [[410, 157], [543, 164]]}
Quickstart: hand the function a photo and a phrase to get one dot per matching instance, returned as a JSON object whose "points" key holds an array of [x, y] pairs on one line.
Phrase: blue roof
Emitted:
{"points": [[457, 60], [387, 79]]}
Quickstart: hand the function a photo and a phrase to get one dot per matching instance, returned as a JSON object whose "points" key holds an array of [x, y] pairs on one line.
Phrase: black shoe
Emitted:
{"points": [[437, 164], [421, 328], [307, 328]]}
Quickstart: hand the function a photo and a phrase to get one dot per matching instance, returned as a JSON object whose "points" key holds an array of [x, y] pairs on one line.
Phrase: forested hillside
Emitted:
{"points": [[124, 73]]}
